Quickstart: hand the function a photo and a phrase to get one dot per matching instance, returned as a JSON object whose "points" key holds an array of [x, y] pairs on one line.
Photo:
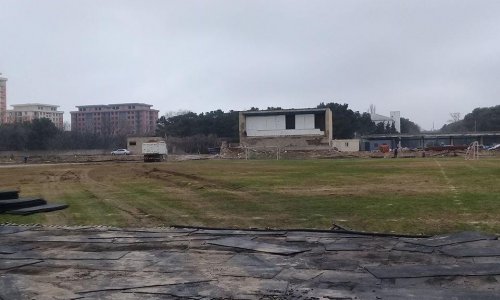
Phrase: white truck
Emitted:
{"points": [[156, 151]]}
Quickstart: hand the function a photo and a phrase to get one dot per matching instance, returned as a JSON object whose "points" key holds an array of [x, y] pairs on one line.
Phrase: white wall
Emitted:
{"points": [[255, 123], [276, 126], [349, 145], [304, 121], [396, 116]]}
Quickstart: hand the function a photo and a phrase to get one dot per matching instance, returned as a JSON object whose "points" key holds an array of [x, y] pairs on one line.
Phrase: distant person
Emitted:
{"points": [[25, 159], [395, 152]]}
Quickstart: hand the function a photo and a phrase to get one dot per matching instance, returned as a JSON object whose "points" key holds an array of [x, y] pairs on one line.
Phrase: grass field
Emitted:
{"points": [[386, 195]]}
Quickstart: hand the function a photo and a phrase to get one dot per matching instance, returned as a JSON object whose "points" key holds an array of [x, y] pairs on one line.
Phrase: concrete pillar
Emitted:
{"points": [[242, 126], [329, 125]]}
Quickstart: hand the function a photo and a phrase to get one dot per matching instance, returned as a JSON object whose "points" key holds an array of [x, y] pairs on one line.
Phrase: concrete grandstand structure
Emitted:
{"points": [[310, 127]]}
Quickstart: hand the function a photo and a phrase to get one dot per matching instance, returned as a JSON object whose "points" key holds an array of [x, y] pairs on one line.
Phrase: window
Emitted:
{"points": [[132, 143], [290, 121]]}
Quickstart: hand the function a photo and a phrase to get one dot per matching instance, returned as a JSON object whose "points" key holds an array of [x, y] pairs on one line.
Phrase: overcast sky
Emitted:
{"points": [[423, 58]]}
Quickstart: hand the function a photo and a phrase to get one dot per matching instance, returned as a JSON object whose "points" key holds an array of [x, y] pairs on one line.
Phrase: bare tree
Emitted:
{"points": [[372, 109], [172, 113], [67, 126], [455, 117]]}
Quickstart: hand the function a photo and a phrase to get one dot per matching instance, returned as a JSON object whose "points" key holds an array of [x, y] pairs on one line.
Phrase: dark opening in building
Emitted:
{"points": [[319, 121], [290, 121]]}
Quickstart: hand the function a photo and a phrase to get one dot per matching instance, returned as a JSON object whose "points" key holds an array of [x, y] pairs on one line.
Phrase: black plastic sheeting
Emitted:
{"points": [[245, 243], [42, 262], [474, 249], [450, 239]]}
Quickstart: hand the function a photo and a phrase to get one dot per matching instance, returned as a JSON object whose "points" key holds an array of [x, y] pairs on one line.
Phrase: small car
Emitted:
{"points": [[120, 152]]}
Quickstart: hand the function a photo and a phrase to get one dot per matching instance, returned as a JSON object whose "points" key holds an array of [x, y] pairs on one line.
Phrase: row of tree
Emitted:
{"points": [[346, 123], [218, 123], [480, 119], [204, 130], [42, 134]]}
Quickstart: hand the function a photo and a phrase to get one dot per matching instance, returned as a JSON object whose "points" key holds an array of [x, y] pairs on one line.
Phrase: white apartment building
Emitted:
{"points": [[3, 99], [395, 118], [30, 111]]}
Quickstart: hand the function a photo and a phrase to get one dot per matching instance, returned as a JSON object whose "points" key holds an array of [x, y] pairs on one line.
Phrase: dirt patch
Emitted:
{"points": [[70, 176], [193, 181], [365, 190]]}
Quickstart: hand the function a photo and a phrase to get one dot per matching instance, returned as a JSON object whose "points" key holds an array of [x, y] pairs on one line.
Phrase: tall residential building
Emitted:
{"points": [[30, 111], [113, 119], [3, 99]]}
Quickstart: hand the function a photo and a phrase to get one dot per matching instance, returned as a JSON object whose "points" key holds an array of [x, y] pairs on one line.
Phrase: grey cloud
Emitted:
{"points": [[425, 58]]}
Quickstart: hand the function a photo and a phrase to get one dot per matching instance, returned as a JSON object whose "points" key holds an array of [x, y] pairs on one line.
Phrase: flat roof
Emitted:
{"points": [[377, 117], [114, 104], [283, 111], [33, 104]]}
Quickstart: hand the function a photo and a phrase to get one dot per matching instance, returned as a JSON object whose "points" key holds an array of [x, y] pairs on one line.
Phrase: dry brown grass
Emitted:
{"points": [[406, 195]]}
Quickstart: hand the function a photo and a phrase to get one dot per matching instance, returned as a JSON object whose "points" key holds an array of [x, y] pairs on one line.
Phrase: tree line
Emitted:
{"points": [[189, 131], [346, 123], [42, 134], [480, 119]]}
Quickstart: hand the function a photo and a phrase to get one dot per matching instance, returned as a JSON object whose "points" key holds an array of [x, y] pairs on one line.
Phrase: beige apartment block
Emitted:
{"points": [[31, 111]]}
